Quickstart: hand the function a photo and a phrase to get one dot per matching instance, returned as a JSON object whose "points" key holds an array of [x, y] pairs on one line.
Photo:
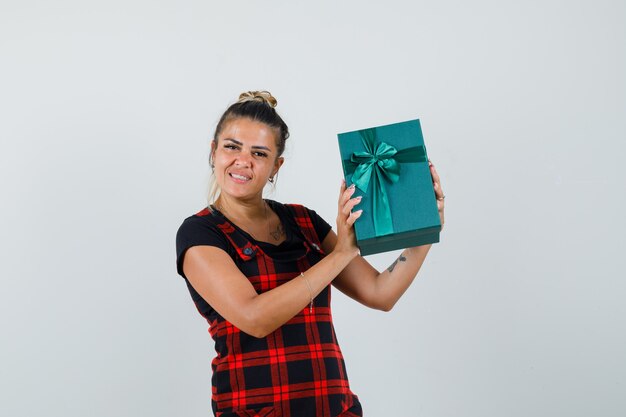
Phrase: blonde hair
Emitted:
{"points": [[261, 96], [256, 105]]}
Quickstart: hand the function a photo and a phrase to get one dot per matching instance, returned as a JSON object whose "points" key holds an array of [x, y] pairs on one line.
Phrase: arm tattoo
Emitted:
{"points": [[393, 265]]}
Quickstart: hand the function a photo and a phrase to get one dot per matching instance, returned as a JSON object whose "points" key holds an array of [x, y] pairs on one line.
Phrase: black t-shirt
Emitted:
{"points": [[199, 229]]}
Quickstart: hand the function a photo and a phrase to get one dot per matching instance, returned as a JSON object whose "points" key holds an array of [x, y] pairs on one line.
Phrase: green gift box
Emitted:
{"points": [[389, 167]]}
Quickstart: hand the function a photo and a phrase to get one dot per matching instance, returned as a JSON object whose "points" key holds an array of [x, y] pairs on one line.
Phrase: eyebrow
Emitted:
{"points": [[253, 147]]}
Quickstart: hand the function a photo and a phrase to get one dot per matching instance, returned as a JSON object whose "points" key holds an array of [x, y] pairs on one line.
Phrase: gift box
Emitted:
{"points": [[389, 167]]}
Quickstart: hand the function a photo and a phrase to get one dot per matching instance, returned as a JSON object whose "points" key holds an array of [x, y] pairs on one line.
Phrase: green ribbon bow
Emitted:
{"points": [[380, 162]]}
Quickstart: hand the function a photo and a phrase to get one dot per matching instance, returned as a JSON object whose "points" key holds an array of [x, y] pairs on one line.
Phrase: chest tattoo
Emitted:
{"points": [[278, 233]]}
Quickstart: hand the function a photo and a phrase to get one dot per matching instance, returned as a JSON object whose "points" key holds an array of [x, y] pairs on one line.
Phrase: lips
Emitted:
{"points": [[239, 177]]}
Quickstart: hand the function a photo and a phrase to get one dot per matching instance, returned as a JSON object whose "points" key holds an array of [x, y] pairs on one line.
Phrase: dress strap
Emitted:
{"points": [[305, 224], [244, 248]]}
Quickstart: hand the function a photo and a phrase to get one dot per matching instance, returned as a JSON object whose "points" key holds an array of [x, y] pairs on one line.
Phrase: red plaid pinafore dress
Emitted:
{"points": [[297, 370]]}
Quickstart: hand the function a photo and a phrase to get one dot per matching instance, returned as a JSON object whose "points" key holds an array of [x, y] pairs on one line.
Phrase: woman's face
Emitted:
{"points": [[245, 157]]}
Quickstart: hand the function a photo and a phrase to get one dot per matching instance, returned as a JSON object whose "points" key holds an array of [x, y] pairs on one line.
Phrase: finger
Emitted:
{"points": [[342, 188], [438, 191], [436, 183], [353, 217], [434, 174], [347, 208], [345, 196]]}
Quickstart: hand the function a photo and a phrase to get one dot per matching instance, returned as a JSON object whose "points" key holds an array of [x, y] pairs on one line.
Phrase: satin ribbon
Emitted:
{"points": [[380, 164]]}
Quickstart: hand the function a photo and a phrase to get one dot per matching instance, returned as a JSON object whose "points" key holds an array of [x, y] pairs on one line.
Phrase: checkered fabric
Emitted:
{"points": [[296, 371]]}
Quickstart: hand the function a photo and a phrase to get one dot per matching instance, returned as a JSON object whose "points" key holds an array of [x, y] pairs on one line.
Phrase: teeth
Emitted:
{"points": [[239, 177]]}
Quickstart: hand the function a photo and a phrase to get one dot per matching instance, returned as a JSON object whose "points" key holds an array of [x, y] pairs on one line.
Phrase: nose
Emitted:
{"points": [[244, 159]]}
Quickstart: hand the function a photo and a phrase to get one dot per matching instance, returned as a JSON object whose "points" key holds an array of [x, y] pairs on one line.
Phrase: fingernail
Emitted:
{"points": [[351, 186]]}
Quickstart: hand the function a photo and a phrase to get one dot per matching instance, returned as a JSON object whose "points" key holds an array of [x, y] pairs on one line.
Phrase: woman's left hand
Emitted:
{"points": [[438, 191]]}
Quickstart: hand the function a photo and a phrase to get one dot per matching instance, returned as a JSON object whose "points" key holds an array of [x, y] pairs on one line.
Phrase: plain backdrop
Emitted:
{"points": [[106, 113]]}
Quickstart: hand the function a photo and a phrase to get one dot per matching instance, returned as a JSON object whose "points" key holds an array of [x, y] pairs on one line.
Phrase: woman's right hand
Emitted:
{"points": [[346, 239]]}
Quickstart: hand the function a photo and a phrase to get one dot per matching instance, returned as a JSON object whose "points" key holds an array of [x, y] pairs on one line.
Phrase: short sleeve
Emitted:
{"points": [[319, 224], [197, 231]]}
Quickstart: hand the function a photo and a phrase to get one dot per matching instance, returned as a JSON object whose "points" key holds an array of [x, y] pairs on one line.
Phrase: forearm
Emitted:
{"points": [[274, 308], [394, 281]]}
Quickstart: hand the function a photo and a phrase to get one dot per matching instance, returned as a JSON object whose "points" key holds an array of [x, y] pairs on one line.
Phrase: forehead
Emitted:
{"points": [[249, 132]]}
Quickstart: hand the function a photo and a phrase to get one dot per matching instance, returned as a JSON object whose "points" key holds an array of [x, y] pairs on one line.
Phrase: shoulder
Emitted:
{"points": [[200, 229], [304, 217], [202, 218], [201, 224], [295, 210]]}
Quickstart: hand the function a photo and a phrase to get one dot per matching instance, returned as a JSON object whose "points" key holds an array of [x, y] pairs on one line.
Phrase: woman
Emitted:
{"points": [[260, 272]]}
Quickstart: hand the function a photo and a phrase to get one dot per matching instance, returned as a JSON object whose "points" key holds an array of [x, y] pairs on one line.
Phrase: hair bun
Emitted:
{"points": [[262, 96]]}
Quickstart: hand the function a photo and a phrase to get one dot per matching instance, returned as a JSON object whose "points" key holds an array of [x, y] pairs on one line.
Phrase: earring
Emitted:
{"points": [[271, 180]]}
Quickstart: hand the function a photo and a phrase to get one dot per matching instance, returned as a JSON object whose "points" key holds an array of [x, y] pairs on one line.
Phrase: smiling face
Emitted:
{"points": [[245, 157]]}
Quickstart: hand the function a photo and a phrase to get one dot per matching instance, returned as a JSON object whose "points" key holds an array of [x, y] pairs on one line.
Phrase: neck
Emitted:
{"points": [[242, 209]]}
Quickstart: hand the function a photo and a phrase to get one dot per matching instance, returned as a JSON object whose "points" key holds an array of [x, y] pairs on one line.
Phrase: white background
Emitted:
{"points": [[107, 109]]}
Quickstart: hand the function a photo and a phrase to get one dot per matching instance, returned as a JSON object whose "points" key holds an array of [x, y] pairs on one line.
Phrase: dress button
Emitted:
{"points": [[315, 246], [247, 251]]}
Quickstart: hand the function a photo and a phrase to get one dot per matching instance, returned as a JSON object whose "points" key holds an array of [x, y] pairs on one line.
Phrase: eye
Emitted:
{"points": [[261, 154], [230, 146]]}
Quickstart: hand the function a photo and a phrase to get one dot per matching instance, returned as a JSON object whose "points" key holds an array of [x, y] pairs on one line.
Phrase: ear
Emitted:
{"points": [[213, 147], [277, 165]]}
